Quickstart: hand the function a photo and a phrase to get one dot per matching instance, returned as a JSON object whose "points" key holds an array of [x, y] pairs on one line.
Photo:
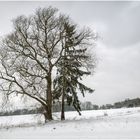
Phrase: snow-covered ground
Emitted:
{"points": [[107, 124]]}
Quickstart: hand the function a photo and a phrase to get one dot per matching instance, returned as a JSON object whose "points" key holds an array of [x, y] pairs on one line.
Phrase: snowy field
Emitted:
{"points": [[106, 124]]}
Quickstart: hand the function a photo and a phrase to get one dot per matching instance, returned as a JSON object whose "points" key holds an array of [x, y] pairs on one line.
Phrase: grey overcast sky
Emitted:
{"points": [[117, 75]]}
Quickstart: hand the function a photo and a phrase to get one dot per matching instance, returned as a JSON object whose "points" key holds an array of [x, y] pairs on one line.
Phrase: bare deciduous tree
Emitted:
{"points": [[29, 54]]}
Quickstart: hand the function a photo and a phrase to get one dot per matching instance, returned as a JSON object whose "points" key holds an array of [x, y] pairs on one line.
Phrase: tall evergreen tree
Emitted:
{"points": [[71, 68]]}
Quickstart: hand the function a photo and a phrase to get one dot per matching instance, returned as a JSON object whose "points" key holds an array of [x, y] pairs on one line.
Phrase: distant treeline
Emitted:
{"points": [[126, 103], [84, 106], [56, 108]]}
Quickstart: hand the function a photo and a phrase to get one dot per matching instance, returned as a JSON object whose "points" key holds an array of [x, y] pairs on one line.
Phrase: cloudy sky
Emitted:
{"points": [[117, 75]]}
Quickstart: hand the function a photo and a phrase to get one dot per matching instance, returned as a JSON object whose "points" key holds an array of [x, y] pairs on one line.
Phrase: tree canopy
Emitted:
{"points": [[35, 48]]}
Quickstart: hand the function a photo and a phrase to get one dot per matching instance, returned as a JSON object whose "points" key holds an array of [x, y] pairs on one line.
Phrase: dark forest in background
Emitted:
{"points": [[84, 106]]}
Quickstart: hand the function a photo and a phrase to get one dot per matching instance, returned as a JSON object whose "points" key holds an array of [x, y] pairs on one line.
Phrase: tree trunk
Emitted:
{"points": [[45, 116], [63, 95], [62, 107], [49, 97], [63, 90]]}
